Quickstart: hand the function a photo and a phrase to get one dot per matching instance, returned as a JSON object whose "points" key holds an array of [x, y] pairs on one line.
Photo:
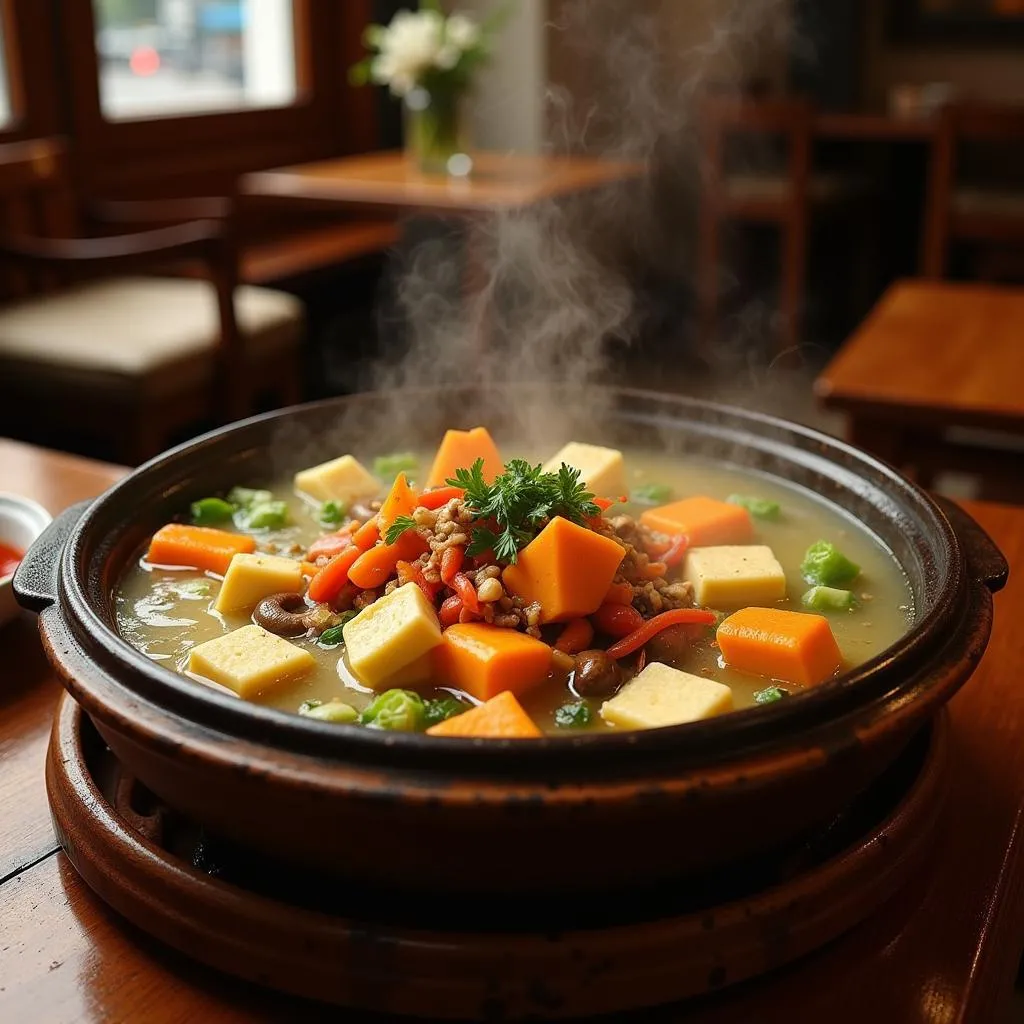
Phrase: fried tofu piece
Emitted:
{"points": [[252, 577], [603, 470], [661, 695], [735, 575], [249, 661], [345, 479]]}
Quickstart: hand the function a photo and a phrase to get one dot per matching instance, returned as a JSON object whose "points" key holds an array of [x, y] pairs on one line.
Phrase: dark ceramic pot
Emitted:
{"points": [[587, 813]]}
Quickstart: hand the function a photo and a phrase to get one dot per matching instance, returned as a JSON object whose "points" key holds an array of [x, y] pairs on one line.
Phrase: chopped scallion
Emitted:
{"points": [[442, 709], [210, 511], [574, 715], [829, 599], [387, 467], [332, 513], [246, 497], [770, 695], [266, 515], [825, 565], [652, 494], [333, 711], [759, 508]]}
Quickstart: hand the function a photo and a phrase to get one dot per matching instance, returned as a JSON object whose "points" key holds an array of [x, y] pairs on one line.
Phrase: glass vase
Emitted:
{"points": [[436, 136]]}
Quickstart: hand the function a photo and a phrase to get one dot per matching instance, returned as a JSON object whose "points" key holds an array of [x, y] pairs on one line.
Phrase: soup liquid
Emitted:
{"points": [[166, 612]]}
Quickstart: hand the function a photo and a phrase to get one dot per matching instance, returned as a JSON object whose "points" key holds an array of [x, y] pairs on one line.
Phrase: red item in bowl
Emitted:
{"points": [[10, 558]]}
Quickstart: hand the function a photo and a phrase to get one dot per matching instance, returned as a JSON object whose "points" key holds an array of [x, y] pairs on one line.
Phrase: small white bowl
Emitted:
{"points": [[21, 522]]}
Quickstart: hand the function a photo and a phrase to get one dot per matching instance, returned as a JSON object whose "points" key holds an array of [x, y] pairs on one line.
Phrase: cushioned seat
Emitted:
{"points": [[152, 336]]}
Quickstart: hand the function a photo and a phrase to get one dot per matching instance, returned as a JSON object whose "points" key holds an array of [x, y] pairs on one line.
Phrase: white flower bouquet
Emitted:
{"points": [[428, 60]]}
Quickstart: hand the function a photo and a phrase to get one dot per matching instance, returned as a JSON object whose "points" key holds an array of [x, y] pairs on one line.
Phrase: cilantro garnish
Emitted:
{"points": [[519, 503], [401, 525]]}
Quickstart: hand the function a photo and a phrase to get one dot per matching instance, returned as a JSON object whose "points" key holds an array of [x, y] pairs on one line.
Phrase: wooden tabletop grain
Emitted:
{"points": [[389, 180], [935, 352], [946, 950]]}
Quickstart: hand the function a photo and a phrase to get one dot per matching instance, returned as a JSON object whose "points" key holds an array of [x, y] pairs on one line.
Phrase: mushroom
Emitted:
{"points": [[597, 674], [283, 614]]}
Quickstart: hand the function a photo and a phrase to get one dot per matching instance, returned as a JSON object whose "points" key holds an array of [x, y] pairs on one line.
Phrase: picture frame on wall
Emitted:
{"points": [[992, 22]]}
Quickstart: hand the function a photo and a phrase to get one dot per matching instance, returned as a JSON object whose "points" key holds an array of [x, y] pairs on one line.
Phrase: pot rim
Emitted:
{"points": [[711, 740]]}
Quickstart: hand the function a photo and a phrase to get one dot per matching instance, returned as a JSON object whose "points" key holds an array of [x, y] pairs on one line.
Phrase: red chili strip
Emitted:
{"points": [[652, 627], [463, 586], [676, 551], [451, 609]]}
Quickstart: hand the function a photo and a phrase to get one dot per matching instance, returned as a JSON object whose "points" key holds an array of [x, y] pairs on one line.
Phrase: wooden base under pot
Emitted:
{"points": [[244, 915]]}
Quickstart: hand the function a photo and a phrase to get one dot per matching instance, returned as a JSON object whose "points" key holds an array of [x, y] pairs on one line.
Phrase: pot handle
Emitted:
{"points": [[36, 579], [985, 562]]}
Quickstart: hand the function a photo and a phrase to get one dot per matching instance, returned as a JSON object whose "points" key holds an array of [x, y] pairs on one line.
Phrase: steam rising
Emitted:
{"points": [[549, 293]]}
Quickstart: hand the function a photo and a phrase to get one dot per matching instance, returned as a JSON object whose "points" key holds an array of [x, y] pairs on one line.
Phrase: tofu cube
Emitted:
{"points": [[250, 578], [661, 695], [390, 635], [249, 661], [345, 479], [734, 576], [601, 469]]}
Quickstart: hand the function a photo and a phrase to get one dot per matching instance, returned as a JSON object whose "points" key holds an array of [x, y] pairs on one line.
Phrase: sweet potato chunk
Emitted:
{"points": [[796, 647], [705, 521], [459, 450], [502, 717], [567, 569], [198, 547], [485, 660]]}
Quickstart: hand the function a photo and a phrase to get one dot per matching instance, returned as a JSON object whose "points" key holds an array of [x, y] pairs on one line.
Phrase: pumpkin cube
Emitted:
{"points": [[346, 480], [250, 578], [733, 576], [502, 717], [459, 449], [661, 695], [603, 470], [795, 647], [249, 661], [567, 569], [705, 521], [390, 635], [485, 660]]}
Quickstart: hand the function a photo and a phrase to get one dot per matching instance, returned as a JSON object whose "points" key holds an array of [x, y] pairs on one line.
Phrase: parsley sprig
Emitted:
{"points": [[401, 525], [519, 503]]}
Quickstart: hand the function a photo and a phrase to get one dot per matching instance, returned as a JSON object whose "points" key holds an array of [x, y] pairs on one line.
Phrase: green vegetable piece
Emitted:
{"points": [[759, 508], [332, 513], [333, 711], [652, 494], [442, 709], [402, 524], [829, 599], [210, 511], [246, 497], [331, 637], [397, 710], [387, 467], [193, 590], [574, 715], [770, 695], [266, 515], [825, 565]]}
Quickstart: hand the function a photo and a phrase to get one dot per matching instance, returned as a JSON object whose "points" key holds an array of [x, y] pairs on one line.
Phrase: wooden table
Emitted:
{"points": [[388, 182], [933, 358], [874, 125], [946, 950]]}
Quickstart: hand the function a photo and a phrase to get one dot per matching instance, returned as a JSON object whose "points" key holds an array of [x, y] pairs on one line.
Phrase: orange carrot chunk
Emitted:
{"points": [[502, 717], [401, 501], [567, 569], [459, 450], [704, 521], [795, 647], [198, 547], [484, 660]]}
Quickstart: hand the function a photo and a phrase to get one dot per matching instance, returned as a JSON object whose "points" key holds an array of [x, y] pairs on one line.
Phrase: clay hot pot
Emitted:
{"points": [[591, 813]]}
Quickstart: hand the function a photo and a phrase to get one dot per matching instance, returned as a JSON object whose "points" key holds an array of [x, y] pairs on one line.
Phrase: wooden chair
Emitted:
{"points": [[783, 198], [90, 346], [957, 209]]}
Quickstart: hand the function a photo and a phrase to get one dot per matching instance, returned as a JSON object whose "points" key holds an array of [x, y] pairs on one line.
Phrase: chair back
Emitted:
{"points": [[994, 126], [789, 120], [35, 201]]}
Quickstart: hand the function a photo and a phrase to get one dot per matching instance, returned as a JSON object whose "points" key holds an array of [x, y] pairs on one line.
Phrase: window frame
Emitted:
{"points": [[33, 88]]}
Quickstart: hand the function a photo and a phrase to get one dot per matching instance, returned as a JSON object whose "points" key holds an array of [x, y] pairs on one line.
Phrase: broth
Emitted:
{"points": [[166, 612]]}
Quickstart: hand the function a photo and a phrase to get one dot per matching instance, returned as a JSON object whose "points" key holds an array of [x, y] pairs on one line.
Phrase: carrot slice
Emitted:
{"points": [[502, 717], [197, 547], [451, 563], [401, 501], [576, 637], [619, 593], [652, 627], [796, 647], [373, 568], [328, 582], [439, 496], [367, 535]]}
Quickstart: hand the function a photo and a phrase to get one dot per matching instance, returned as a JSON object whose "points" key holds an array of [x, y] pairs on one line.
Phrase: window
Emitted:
{"points": [[161, 58]]}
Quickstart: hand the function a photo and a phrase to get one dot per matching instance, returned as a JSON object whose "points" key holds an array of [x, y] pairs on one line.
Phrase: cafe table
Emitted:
{"points": [[946, 949], [387, 183]]}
